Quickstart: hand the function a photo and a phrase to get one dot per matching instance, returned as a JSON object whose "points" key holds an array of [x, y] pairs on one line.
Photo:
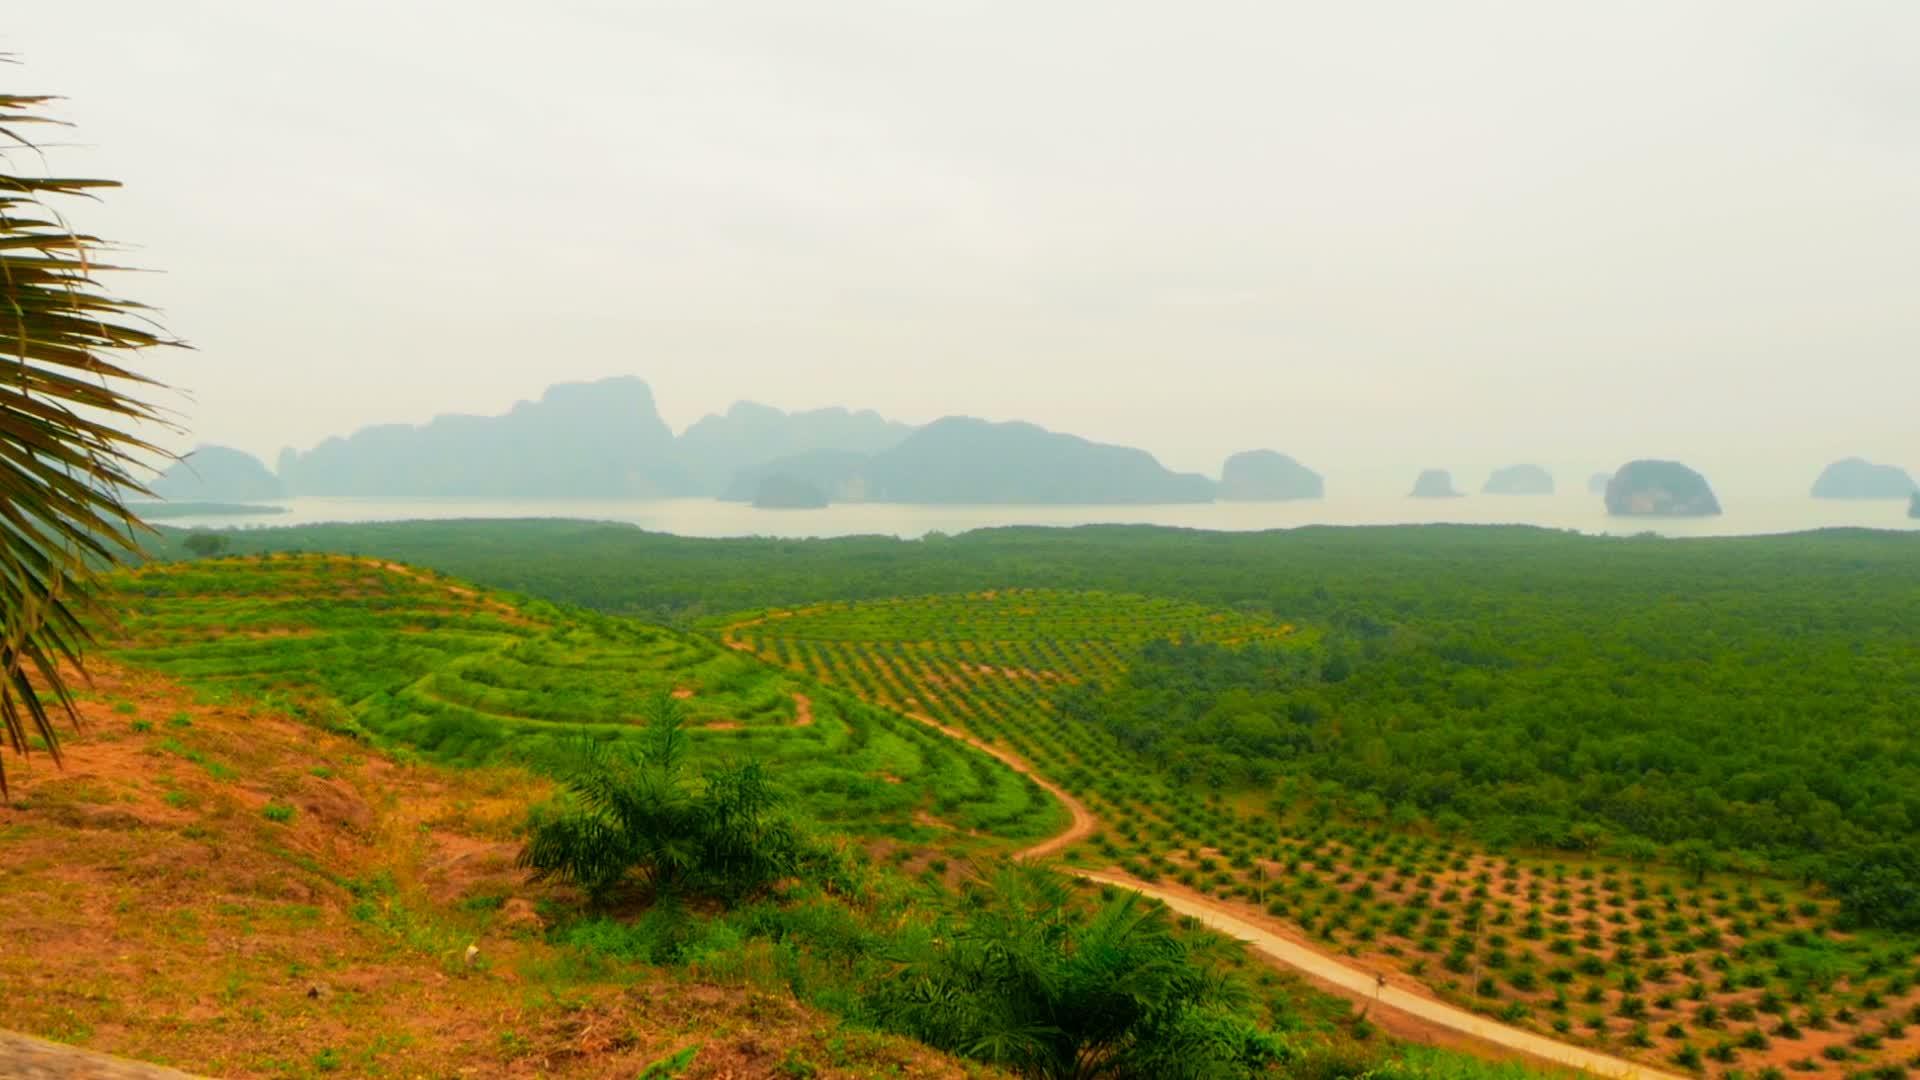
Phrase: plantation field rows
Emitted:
{"points": [[1681, 968], [425, 664]]}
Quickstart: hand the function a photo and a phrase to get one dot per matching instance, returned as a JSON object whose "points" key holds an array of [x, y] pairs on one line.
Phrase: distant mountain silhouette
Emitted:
{"points": [[1266, 475], [1434, 484], [597, 439], [1660, 489], [1913, 505], [1597, 483], [715, 450], [964, 460], [1519, 480], [215, 474], [1854, 478]]}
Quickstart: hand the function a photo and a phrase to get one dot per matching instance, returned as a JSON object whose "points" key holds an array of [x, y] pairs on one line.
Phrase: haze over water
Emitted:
{"points": [[1748, 515]]}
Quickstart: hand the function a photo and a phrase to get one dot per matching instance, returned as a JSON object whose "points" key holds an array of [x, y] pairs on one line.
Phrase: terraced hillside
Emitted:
{"points": [[425, 663], [1674, 965]]}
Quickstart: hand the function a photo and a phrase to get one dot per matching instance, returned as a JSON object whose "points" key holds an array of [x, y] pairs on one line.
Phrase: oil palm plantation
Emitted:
{"points": [[69, 410]]}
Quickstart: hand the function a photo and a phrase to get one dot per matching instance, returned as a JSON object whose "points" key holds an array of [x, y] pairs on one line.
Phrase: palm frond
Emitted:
{"points": [[68, 452]]}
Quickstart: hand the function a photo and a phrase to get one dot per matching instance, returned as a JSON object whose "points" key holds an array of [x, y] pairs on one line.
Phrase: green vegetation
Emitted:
{"points": [[1173, 725], [1026, 982], [633, 812], [1640, 793], [1755, 694], [868, 928], [205, 544], [464, 678]]}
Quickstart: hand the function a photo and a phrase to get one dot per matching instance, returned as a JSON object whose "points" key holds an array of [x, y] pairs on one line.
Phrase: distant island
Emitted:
{"points": [[1597, 483], [1660, 489], [163, 511], [1519, 480], [784, 491], [1856, 478], [1913, 505], [1434, 484], [1268, 476], [217, 474], [964, 460]]}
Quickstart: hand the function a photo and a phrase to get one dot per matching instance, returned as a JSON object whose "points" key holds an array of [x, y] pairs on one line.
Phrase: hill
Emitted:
{"points": [[473, 678], [309, 901], [307, 843], [600, 439], [964, 460], [1659, 489], [217, 474], [715, 450], [1266, 476], [1519, 480], [1855, 478]]}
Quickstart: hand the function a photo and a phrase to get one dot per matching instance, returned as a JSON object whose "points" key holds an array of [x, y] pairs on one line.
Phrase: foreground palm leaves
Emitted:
{"points": [[66, 452]]}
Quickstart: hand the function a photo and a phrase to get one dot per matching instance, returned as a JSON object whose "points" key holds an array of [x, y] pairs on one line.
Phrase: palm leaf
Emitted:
{"points": [[68, 452]]}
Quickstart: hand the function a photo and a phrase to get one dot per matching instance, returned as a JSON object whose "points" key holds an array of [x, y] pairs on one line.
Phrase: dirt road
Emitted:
{"points": [[1330, 971]]}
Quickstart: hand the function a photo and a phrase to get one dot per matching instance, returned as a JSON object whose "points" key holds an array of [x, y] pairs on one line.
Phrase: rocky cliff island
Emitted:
{"points": [[1434, 484], [1268, 476], [1519, 480], [1856, 478], [1660, 489]]}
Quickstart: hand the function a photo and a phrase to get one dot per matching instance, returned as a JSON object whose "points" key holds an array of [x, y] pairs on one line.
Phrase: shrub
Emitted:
{"points": [[1025, 984], [632, 812]]}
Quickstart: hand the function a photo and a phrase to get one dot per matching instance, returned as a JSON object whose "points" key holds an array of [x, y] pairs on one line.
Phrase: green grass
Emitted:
{"points": [[418, 662]]}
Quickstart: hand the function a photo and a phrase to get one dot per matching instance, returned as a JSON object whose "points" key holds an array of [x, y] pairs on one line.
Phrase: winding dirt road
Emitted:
{"points": [[1353, 982]]}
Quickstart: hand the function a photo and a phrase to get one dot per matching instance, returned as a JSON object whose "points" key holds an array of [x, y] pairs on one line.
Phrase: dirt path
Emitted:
{"points": [[25, 1058], [1083, 825], [1353, 982], [802, 711]]}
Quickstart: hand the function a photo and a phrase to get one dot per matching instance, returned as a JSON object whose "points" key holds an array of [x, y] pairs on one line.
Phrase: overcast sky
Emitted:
{"points": [[1376, 235]]}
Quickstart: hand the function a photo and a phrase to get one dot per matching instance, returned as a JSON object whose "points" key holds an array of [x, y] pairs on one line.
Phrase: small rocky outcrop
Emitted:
{"points": [[1856, 478], [1434, 484], [1268, 476], [1660, 489], [784, 491], [1519, 480]]}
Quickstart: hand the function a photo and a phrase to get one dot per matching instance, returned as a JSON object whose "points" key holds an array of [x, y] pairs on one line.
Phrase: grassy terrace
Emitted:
{"points": [[428, 664]]}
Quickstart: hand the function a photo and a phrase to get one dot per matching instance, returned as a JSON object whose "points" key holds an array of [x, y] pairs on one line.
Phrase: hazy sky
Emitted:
{"points": [[1376, 235]]}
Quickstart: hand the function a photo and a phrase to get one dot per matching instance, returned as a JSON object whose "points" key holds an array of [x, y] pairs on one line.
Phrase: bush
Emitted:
{"points": [[1024, 983], [632, 813]]}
